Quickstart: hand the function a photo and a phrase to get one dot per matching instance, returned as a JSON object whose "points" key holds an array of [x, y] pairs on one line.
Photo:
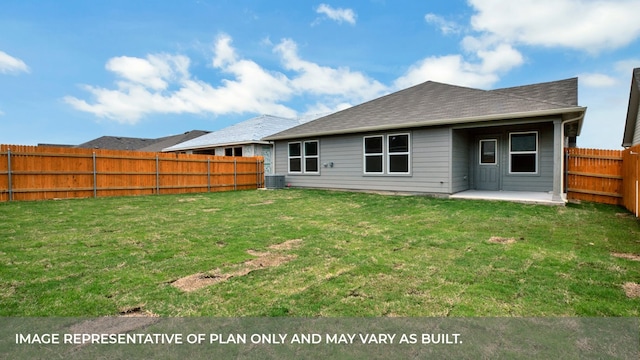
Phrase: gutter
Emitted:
{"points": [[437, 122]]}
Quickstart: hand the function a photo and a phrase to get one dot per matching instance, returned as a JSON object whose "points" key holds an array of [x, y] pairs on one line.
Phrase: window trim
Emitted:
{"points": [[389, 154], [495, 156], [305, 157], [365, 155], [535, 152], [289, 157], [386, 155]]}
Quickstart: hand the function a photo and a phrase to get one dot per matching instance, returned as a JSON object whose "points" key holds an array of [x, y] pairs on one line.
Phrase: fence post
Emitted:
{"points": [[235, 174], [208, 174], [9, 174], [157, 175], [95, 177]]}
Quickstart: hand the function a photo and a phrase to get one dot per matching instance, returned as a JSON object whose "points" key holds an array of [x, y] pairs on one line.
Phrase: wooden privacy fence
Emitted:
{"points": [[631, 175], [604, 176], [594, 175], [36, 172]]}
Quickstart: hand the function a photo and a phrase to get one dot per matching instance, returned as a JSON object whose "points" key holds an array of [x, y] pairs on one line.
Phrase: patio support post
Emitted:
{"points": [[557, 160]]}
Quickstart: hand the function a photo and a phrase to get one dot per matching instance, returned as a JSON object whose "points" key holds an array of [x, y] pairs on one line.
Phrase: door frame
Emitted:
{"points": [[477, 164]]}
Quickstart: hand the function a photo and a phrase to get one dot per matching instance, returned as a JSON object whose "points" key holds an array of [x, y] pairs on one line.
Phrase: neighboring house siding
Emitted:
{"points": [[429, 163]]}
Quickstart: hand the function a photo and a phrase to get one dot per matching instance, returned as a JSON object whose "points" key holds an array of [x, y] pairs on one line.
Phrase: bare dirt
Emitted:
{"points": [[262, 260], [632, 290], [501, 240], [633, 257]]}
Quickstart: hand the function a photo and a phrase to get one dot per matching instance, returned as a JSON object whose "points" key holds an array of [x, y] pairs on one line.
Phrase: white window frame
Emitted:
{"points": [[303, 152], [408, 153], [365, 155], [289, 157], [535, 152], [495, 157]]}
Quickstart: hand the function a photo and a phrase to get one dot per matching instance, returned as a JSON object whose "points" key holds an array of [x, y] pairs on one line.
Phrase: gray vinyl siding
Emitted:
{"points": [[429, 164], [543, 180], [442, 161], [460, 164]]}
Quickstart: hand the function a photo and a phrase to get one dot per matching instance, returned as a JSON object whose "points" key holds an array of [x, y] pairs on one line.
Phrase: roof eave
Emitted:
{"points": [[209, 146], [429, 123]]}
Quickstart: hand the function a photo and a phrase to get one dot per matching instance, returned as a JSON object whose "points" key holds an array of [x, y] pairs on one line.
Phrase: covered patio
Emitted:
{"points": [[527, 197]]}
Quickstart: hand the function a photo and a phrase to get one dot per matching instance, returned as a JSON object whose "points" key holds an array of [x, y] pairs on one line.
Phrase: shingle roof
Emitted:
{"points": [[632, 110], [433, 103], [252, 130], [139, 144], [167, 141], [117, 143]]}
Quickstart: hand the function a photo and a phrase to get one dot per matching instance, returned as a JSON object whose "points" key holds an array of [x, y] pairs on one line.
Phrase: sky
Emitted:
{"points": [[72, 71]]}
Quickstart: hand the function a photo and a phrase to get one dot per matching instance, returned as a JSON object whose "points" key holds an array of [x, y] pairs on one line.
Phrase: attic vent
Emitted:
{"points": [[274, 181]]}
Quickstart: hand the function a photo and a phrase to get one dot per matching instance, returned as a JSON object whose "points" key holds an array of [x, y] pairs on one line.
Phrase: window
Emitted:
{"points": [[523, 153], [311, 157], [373, 154], [236, 151], [390, 157], [295, 158], [488, 155], [304, 157], [398, 153]]}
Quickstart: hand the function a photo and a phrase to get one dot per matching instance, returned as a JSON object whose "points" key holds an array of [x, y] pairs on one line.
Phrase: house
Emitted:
{"points": [[241, 139], [139, 144], [632, 126], [439, 139]]}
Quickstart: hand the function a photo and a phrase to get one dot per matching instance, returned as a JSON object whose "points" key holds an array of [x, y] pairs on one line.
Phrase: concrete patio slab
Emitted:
{"points": [[527, 197]]}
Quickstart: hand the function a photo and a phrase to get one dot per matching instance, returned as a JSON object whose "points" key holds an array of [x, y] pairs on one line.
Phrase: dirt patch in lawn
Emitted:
{"points": [[268, 202], [130, 319], [501, 240], [632, 290], [633, 257], [262, 260]]}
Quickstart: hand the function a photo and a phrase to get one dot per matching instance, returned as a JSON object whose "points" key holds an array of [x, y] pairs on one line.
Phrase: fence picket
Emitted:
{"points": [[37, 172]]}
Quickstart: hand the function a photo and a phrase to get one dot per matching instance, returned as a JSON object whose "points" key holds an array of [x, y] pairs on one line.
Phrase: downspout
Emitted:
{"points": [[562, 164]]}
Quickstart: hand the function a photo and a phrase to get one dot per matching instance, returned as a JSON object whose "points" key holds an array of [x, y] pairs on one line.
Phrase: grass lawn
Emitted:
{"points": [[315, 253]]}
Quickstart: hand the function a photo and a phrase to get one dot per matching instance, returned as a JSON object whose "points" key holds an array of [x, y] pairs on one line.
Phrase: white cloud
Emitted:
{"points": [[586, 25], [340, 15], [625, 67], [446, 27], [596, 80], [162, 84], [321, 80], [11, 65], [144, 87], [454, 69]]}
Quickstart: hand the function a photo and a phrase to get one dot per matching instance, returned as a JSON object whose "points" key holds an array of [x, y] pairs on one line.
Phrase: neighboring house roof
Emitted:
{"points": [[167, 141], [138, 144], [631, 124], [432, 103], [249, 131]]}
